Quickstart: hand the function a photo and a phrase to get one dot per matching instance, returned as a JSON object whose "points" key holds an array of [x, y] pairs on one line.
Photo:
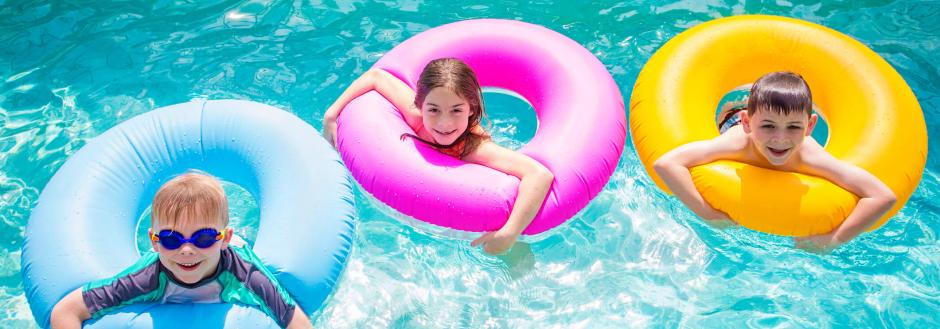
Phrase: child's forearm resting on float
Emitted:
{"points": [[875, 198], [534, 182], [299, 320], [69, 312], [673, 168], [390, 87], [533, 187]]}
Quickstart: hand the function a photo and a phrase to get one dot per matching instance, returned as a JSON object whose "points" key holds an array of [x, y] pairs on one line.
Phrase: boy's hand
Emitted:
{"points": [[819, 244], [721, 224], [496, 242], [718, 219]]}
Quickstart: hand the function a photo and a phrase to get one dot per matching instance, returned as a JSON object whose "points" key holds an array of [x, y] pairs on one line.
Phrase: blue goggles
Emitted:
{"points": [[202, 239]]}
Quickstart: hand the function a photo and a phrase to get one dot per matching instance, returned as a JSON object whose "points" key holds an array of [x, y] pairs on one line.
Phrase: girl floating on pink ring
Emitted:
{"points": [[445, 113], [409, 129]]}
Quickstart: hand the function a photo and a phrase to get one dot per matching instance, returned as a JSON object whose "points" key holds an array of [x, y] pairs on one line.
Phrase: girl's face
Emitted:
{"points": [[445, 115], [776, 136]]}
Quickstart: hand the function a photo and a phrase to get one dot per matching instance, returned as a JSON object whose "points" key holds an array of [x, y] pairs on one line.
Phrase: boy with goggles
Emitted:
{"points": [[193, 263]]}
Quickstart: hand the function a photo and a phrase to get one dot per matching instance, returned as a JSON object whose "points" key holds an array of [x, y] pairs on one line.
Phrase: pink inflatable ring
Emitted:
{"points": [[580, 136]]}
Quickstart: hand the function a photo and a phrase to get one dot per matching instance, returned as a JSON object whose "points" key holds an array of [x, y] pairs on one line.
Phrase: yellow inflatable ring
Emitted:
{"points": [[874, 119]]}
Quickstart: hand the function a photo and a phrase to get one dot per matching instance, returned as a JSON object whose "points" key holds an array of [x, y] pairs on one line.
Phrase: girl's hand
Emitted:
{"points": [[329, 130], [819, 244], [496, 242]]}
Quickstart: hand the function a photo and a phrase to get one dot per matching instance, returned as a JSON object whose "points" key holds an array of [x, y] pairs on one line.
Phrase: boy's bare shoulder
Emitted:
{"points": [[815, 160], [733, 143]]}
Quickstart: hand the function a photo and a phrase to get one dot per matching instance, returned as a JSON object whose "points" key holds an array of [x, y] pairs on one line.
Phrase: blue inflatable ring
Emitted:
{"points": [[83, 227]]}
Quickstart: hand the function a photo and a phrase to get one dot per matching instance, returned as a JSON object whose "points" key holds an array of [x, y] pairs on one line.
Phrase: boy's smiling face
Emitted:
{"points": [[777, 136], [189, 263]]}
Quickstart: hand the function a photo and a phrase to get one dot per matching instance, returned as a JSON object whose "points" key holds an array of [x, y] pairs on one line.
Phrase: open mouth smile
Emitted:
{"points": [[189, 266], [778, 152]]}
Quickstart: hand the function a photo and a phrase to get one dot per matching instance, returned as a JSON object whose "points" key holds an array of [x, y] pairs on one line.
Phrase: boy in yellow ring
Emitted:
{"points": [[771, 133]]}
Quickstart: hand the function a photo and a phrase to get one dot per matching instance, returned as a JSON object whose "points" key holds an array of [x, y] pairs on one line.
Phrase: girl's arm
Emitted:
{"points": [[673, 168], [534, 182], [389, 86], [875, 197], [70, 312]]}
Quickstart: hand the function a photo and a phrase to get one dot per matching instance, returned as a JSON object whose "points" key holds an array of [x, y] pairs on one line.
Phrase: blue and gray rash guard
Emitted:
{"points": [[240, 278]]}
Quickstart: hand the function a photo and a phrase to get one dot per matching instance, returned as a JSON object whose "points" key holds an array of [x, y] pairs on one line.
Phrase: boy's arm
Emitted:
{"points": [[70, 312], [875, 197], [299, 320], [673, 168]]}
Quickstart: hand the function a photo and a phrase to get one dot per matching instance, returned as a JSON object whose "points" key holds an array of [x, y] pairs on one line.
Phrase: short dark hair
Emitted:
{"points": [[780, 92]]}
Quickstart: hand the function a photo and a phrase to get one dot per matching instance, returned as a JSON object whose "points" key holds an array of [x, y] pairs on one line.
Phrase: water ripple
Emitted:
{"points": [[633, 256]]}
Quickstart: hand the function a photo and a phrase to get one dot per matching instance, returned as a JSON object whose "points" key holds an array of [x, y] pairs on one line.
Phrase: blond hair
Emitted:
{"points": [[195, 198]]}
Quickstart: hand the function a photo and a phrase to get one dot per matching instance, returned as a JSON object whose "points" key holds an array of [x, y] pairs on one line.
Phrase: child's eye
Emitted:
{"points": [[457, 110], [432, 110], [767, 126], [794, 127]]}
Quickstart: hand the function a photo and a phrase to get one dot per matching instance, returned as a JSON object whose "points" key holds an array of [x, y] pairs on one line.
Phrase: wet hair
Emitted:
{"points": [[782, 93], [453, 74], [190, 198]]}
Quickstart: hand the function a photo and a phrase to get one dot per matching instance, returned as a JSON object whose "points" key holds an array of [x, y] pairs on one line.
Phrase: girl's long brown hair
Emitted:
{"points": [[455, 75]]}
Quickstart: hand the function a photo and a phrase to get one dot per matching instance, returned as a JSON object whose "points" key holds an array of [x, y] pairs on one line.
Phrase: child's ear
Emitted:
{"points": [[812, 124], [745, 121], [228, 237], [153, 244]]}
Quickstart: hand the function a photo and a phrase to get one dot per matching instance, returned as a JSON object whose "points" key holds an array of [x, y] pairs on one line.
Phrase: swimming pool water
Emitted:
{"points": [[634, 257]]}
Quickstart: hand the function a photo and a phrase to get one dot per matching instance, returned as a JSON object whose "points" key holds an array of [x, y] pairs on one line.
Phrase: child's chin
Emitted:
{"points": [[778, 161], [192, 275], [188, 278], [445, 142]]}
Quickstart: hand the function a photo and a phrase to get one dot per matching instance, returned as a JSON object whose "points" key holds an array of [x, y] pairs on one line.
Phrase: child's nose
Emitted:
{"points": [[449, 119], [445, 123], [187, 248]]}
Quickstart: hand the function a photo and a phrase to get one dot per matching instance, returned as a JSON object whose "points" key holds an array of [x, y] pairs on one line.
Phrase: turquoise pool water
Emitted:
{"points": [[634, 257]]}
